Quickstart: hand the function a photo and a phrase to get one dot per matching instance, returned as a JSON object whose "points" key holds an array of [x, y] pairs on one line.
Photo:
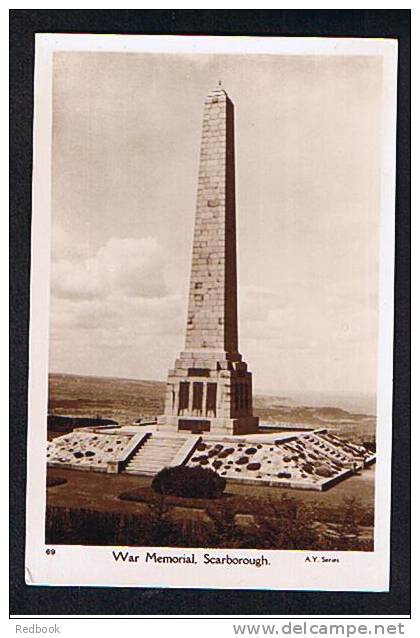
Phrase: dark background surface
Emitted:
{"points": [[96, 600]]}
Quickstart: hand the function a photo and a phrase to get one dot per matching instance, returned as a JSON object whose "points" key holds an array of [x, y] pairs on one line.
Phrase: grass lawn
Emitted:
{"points": [[361, 486], [100, 491]]}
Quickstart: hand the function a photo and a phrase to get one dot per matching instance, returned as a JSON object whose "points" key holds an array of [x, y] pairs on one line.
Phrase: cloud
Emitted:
{"points": [[63, 248], [118, 336], [117, 319], [311, 342], [122, 267], [112, 305], [297, 319]]}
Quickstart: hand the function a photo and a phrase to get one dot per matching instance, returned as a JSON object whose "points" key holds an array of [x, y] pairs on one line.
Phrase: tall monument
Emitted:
{"points": [[210, 388]]}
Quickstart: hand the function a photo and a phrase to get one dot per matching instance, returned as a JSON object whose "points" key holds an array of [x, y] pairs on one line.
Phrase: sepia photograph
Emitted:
{"points": [[211, 360]]}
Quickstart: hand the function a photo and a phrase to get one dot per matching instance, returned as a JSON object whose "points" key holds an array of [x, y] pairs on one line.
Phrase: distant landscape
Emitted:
{"points": [[128, 400]]}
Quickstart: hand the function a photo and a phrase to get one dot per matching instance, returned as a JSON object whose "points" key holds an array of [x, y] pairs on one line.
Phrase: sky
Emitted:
{"points": [[126, 140]]}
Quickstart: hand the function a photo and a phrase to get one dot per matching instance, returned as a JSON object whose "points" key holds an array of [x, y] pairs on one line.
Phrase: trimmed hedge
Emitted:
{"points": [[189, 482]]}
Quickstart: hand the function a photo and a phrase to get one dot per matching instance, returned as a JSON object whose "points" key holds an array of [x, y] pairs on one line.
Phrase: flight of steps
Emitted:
{"points": [[155, 454]]}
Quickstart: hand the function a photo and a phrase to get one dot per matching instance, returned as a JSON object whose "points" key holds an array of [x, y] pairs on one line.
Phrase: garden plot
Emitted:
{"points": [[308, 461], [87, 450]]}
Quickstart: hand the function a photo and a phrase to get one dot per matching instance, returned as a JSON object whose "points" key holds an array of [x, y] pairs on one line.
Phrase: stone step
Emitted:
{"points": [[165, 441], [148, 463], [138, 470], [143, 472], [160, 450], [151, 468], [163, 450], [156, 453], [157, 450], [150, 442], [140, 465], [150, 459], [156, 456]]}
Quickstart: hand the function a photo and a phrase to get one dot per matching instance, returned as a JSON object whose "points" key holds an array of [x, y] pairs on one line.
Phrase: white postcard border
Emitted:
{"points": [[80, 565]]}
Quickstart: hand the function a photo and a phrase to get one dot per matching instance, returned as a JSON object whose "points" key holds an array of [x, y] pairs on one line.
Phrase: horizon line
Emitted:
{"points": [[256, 391]]}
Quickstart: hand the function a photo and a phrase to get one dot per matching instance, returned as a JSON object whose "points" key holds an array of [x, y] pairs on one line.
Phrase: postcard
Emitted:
{"points": [[211, 330]]}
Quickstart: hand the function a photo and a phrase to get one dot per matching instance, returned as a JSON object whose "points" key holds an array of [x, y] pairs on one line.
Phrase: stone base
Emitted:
{"points": [[198, 425]]}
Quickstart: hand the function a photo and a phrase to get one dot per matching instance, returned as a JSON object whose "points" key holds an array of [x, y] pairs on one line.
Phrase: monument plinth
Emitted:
{"points": [[210, 388]]}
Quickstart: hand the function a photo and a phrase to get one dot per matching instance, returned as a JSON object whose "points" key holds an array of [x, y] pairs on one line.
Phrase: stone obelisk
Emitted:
{"points": [[210, 388]]}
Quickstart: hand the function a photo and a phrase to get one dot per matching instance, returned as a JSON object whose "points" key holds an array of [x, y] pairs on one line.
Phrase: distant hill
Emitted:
{"points": [[126, 400], [105, 397]]}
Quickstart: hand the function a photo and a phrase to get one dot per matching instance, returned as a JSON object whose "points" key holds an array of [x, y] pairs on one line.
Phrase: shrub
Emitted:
{"points": [[253, 466], [52, 481], [226, 452], [189, 482], [370, 446], [324, 470]]}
